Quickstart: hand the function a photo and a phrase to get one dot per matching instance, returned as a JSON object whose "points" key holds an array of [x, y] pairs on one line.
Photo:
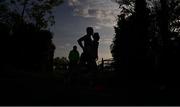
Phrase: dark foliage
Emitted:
{"points": [[146, 50], [27, 48]]}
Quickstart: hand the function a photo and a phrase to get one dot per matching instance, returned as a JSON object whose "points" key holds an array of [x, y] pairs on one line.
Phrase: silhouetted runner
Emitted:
{"points": [[86, 43], [90, 53]]}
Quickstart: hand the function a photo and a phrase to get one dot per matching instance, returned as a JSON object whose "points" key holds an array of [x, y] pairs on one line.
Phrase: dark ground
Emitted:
{"points": [[26, 88]]}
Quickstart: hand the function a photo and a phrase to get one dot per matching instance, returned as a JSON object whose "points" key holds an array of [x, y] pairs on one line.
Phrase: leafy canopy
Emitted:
{"points": [[38, 12]]}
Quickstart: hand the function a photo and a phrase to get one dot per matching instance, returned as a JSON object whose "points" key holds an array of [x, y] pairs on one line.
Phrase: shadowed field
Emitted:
{"points": [[25, 88]]}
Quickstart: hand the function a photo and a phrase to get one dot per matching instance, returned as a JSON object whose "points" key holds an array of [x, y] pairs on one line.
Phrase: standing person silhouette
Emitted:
{"points": [[94, 53], [86, 43], [73, 65], [73, 58], [95, 45]]}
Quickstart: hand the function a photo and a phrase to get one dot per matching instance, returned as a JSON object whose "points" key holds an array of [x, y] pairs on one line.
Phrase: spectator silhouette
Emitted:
{"points": [[73, 65], [95, 45], [73, 58], [94, 53], [86, 56]]}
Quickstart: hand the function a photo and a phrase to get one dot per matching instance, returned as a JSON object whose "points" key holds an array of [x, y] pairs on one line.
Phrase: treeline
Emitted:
{"points": [[26, 44], [27, 48], [146, 46]]}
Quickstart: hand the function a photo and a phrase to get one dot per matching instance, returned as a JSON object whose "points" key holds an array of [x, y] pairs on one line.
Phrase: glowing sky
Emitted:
{"points": [[72, 18]]}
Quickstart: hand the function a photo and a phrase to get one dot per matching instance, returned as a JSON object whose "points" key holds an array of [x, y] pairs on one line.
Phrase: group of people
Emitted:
{"points": [[89, 44]]}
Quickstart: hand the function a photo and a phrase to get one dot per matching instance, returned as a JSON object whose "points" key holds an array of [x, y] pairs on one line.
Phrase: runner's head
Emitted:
{"points": [[74, 47], [96, 36], [89, 30]]}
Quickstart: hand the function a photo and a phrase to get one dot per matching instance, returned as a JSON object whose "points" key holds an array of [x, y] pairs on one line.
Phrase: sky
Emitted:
{"points": [[74, 16]]}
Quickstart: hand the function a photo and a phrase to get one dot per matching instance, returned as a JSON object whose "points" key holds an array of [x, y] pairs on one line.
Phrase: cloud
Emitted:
{"points": [[105, 11], [67, 44], [74, 2], [97, 27]]}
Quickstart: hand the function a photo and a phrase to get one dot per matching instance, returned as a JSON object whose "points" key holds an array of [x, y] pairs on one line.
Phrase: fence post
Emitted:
{"points": [[102, 65]]}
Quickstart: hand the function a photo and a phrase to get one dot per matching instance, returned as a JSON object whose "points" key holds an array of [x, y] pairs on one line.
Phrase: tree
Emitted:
{"points": [[38, 12], [130, 48], [146, 42], [135, 21], [60, 63], [30, 43]]}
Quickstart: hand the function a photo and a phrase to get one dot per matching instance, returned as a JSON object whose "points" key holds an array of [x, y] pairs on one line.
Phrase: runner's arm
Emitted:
{"points": [[80, 42]]}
